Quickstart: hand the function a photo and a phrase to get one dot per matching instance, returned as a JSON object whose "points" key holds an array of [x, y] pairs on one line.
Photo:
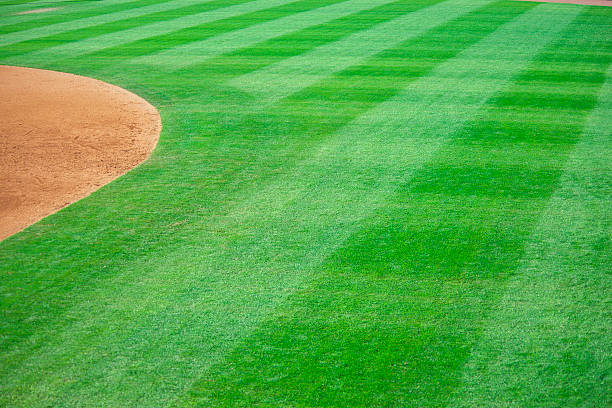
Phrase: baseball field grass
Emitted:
{"points": [[353, 203]]}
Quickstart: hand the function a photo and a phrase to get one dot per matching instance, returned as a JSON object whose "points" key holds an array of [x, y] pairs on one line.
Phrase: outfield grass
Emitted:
{"points": [[353, 203]]}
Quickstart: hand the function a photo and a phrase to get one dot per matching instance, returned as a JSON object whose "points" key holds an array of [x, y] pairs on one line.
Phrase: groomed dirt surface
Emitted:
{"points": [[63, 136], [581, 2]]}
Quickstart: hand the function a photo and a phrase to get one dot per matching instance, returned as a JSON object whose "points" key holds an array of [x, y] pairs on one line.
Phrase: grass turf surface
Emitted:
{"points": [[353, 203]]}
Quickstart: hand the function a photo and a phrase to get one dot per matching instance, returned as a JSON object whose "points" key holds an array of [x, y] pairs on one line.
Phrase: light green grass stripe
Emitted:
{"points": [[286, 77], [18, 36], [557, 309], [114, 39], [245, 276], [197, 52]]}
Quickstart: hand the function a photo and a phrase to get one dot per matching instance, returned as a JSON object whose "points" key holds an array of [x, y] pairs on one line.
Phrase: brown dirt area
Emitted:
{"points": [[581, 2], [63, 136]]}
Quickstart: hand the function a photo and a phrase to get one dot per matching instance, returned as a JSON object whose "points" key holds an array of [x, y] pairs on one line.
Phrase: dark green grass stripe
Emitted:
{"points": [[232, 166], [28, 46], [75, 15], [395, 312], [265, 53]]}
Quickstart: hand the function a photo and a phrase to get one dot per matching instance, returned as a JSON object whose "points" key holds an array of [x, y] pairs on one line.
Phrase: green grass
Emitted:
{"points": [[390, 203]]}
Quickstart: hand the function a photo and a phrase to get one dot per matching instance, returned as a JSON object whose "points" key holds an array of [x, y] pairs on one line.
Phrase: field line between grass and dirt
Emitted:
{"points": [[286, 77], [249, 280], [47, 167], [175, 58], [169, 25], [556, 309]]}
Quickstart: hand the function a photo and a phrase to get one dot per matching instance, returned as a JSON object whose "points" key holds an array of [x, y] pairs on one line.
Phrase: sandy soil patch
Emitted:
{"points": [[582, 2], [35, 11], [62, 137]]}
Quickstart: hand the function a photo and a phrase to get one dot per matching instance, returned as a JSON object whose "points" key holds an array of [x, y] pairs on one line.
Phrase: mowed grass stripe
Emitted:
{"points": [[70, 39], [199, 51], [427, 18], [555, 311], [236, 27], [282, 46], [74, 11], [185, 30], [53, 29], [226, 314], [273, 82], [392, 317]]}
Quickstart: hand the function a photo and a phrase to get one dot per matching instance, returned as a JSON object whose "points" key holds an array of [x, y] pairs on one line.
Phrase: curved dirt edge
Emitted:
{"points": [[62, 137]]}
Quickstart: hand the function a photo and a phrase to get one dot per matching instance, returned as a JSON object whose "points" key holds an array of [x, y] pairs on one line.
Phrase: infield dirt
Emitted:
{"points": [[63, 136]]}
